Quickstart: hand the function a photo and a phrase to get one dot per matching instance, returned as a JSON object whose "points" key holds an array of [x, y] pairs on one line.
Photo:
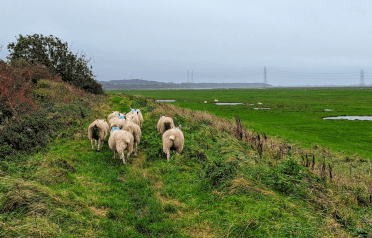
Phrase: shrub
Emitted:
{"points": [[15, 85], [289, 178], [54, 54], [218, 172]]}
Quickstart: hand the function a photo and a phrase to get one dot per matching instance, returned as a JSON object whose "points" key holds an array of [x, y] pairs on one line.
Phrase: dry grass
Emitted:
{"points": [[99, 211]]}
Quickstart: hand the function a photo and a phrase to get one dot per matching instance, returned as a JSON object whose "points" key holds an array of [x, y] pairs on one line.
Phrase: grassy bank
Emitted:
{"points": [[227, 182]]}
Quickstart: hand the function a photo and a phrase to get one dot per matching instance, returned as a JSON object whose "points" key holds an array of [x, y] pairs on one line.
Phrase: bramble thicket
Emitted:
{"points": [[31, 94]]}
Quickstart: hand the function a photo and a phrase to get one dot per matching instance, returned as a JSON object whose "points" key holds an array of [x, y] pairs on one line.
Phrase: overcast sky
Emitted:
{"points": [[317, 42]]}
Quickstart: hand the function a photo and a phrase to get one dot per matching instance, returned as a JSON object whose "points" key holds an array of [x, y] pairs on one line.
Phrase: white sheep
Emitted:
{"points": [[113, 114], [164, 124], [136, 132], [173, 139], [133, 118], [98, 130], [119, 141], [114, 118], [117, 122], [140, 117], [132, 112]]}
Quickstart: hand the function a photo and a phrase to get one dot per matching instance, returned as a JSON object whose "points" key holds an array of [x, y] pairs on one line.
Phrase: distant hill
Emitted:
{"points": [[147, 84]]}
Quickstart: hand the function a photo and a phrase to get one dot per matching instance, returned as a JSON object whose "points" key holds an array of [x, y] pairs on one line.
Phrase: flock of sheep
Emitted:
{"points": [[125, 133]]}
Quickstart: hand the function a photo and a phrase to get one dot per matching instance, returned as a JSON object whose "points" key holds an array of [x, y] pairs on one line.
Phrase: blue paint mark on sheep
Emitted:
{"points": [[115, 129], [121, 117], [132, 110]]}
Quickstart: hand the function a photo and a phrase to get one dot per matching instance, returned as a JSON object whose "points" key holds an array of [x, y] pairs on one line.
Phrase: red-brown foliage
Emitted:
{"points": [[16, 80]]}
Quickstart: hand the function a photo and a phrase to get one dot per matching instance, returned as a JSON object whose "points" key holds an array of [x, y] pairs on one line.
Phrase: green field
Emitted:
{"points": [[295, 115]]}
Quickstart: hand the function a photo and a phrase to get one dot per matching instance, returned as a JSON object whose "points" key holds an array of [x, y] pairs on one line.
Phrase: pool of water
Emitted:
{"points": [[351, 118], [229, 103], [166, 100], [262, 108]]}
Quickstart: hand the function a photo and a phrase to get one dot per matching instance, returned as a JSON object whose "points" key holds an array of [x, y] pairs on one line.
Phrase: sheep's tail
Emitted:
{"points": [[95, 132], [172, 137]]}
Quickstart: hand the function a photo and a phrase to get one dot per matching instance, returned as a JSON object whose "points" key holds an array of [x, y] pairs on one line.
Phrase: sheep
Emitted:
{"points": [[133, 118], [136, 132], [119, 141], [114, 118], [164, 124], [215, 100], [113, 114], [173, 139], [98, 130], [117, 122], [140, 117]]}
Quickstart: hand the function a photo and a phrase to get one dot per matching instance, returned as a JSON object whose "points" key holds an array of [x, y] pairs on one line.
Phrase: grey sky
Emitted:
{"points": [[300, 42]]}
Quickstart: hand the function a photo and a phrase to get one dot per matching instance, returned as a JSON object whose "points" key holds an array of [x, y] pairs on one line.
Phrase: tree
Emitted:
{"points": [[56, 56]]}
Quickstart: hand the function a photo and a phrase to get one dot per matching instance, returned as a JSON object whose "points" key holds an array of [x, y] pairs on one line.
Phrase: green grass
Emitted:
{"points": [[217, 187], [296, 114]]}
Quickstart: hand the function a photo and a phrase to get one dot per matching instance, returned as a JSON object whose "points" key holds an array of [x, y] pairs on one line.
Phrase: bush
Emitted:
{"points": [[288, 178], [30, 133], [54, 54], [15, 85], [218, 172]]}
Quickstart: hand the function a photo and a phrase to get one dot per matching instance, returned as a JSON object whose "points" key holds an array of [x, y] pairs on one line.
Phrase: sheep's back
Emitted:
{"points": [[117, 123], [134, 129], [113, 114], [112, 139]]}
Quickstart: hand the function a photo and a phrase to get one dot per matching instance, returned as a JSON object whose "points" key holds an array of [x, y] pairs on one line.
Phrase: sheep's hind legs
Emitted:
{"points": [[100, 142], [128, 154], [122, 157], [135, 149], [168, 155]]}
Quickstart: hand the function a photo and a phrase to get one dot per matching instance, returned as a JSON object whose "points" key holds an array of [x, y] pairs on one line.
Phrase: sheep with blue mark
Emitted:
{"points": [[119, 141], [113, 114], [119, 116], [117, 122], [133, 116], [173, 139]]}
